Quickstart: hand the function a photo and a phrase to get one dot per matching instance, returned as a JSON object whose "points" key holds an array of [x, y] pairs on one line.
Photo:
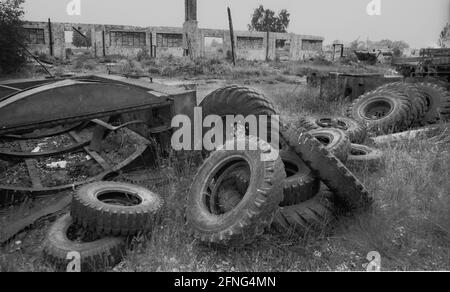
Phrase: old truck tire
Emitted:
{"points": [[258, 205], [299, 185], [438, 101], [355, 131], [314, 215], [334, 140], [238, 100], [95, 255], [112, 208], [411, 92], [382, 111], [362, 156], [346, 187]]}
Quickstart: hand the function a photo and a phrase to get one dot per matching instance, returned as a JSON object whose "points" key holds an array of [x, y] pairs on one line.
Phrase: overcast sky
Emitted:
{"points": [[418, 22]]}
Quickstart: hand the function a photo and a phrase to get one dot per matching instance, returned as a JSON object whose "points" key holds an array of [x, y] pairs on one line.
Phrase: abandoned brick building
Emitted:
{"points": [[55, 39]]}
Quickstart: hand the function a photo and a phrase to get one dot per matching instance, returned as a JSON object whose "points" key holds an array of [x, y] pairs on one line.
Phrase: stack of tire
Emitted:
{"points": [[103, 215], [236, 194], [345, 138], [398, 106]]}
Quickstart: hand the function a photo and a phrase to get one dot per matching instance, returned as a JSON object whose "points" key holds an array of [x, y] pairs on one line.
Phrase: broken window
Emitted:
{"points": [[250, 43], [169, 40], [128, 39], [34, 36], [281, 44], [311, 45], [282, 49], [213, 44]]}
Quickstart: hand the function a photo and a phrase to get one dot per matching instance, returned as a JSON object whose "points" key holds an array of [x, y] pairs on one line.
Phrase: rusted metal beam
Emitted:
{"points": [[32, 170], [100, 160], [98, 134]]}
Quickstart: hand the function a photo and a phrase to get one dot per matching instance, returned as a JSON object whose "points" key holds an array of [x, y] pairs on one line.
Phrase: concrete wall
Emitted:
{"points": [[40, 48], [249, 45]]}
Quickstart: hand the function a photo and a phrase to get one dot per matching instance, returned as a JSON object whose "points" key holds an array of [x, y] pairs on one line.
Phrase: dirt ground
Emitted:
{"points": [[409, 224]]}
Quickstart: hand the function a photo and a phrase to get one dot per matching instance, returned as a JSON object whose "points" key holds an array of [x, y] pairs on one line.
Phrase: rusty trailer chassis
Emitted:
{"points": [[110, 103]]}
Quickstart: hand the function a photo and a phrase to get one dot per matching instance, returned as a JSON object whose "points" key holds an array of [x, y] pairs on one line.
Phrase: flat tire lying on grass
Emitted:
{"points": [[383, 111], [438, 101], [112, 208], [365, 157], [300, 184], [95, 255], [355, 131], [346, 187], [258, 205], [313, 215], [335, 140]]}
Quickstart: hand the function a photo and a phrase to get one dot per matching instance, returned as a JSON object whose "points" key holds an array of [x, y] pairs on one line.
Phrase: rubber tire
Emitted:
{"points": [[439, 102], [238, 100], [313, 215], [95, 256], [346, 187], [339, 142], [411, 92], [355, 131], [108, 219], [372, 158], [297, 188], [400, 118], [256, 209]]}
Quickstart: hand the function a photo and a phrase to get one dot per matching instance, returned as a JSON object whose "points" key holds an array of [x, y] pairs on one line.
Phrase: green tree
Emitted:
{"points": [[265, 19], [11, 54]]}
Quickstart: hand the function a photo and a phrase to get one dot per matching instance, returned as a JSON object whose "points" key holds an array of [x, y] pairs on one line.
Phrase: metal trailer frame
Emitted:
{"points": [[144, 109], [431, 63]]}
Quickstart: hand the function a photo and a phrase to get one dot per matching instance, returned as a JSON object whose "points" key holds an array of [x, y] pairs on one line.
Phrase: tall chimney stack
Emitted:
{"points": [[191, 10], [192, 42]]}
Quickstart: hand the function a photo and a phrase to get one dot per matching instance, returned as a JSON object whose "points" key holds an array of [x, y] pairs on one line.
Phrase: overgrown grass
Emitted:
{"points": [[300, 68], [409, 224], [201, 68]]}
